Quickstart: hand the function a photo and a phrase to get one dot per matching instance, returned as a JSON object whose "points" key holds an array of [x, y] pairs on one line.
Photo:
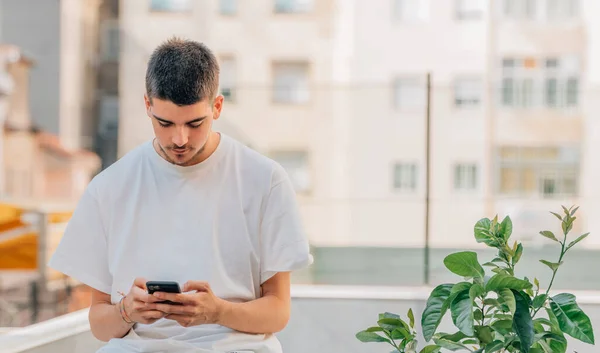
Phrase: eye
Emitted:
{"points": [[195, 125], [164, 124]]}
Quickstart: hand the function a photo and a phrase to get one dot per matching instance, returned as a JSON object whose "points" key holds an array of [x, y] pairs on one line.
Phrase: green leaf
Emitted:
{"points": [[537, 283], [522, 322], [450, 345], [464, 264], [476, 291], [503, 327], [484, 334], [551, 342], [387, 315], [539, 301], [500, 271], [477, 315], [411, 347], [411, 317], [503, 317], [365, 336], [455, 337], [506, 228], [553, 266], [557, 216], [502, 281], [401, 333], [430, 349], [375, 329], [574, 211], [391, 324], [482, 232], [491, 301], [435, 310], [581, 237], [457, 288], [518, 254], [571, 319], [495, 346], [490, 264], [462, 313], [508, 298], [548, 234]]}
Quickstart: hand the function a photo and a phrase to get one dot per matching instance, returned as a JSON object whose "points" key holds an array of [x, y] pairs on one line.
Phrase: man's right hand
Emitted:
{"points": [[136, 304]]}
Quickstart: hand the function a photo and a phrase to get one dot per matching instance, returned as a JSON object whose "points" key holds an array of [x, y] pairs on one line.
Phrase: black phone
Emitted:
{"points": [[165, 287]]}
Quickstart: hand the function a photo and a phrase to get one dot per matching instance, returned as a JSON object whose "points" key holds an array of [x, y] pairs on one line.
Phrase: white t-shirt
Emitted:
{"points": [[232, 221]]}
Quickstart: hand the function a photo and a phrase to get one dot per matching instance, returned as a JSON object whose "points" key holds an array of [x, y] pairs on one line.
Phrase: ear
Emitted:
{"points": [[148, 105], [217, 107]]}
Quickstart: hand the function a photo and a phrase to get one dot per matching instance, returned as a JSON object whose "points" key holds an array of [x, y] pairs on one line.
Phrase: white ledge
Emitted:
{"points": [[22, 339]]}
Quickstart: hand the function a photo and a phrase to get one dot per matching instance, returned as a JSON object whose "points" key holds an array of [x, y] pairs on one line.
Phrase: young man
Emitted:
{"points": [[191, 206]]}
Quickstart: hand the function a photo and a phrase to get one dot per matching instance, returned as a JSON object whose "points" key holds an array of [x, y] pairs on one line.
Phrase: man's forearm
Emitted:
{"points": [[267, 314], [106, 322]]}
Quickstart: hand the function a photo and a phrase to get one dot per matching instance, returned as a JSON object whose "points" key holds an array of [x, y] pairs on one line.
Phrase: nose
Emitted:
{"points": [[180, 138]]}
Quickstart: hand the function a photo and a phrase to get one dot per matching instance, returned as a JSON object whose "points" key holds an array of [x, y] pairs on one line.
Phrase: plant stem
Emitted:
{"points": [[392, 342], [562, 254], [482, 313]]}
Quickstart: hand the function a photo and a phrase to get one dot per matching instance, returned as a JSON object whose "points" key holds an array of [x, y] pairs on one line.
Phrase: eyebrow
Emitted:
{"points": [[165, 121]]}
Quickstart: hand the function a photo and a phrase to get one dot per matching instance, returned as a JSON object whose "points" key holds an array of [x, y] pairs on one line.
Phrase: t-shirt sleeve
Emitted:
{"points": [[82, 251], [284, 246]]}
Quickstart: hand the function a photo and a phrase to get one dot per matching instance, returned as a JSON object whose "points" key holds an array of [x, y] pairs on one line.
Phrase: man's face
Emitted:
{"points": [[183, 131]]}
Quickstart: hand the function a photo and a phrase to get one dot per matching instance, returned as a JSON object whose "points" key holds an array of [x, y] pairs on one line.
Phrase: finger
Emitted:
{"points": [[173, 309], [196, 285], [140, 282], [182, 320], [153, 314], [143, 296], [176, 297]]}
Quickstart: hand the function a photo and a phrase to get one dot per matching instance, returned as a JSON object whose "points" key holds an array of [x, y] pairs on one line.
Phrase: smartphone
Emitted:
{"points": [[165, 287]]}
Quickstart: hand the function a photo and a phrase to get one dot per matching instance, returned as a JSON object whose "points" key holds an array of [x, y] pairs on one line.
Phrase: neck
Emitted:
{"points": [[209, 148]]}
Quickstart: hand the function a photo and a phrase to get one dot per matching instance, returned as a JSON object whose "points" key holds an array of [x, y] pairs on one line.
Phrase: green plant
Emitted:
{"points": [[392, 328], [497, 313]]}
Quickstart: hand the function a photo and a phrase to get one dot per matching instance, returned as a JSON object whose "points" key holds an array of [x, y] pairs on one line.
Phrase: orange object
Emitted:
{"points": [[529, 63], [19, 253]]}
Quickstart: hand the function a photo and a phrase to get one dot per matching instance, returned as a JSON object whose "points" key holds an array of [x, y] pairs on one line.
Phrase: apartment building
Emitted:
{"points": [[336, 92]]}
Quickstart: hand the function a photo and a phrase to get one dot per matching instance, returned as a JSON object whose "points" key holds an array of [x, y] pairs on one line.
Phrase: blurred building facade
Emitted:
{"points": [[336, 92], [50, 121]]}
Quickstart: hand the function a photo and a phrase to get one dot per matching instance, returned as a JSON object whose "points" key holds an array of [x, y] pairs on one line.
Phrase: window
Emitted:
{"points": [[291, 83], [296, 166], [228, 7], [561, 82], [409, 93], [411, 10], [467, 92], [518, 76], [171, 5], [405, 176], [557, 10], [538, 171], [532, 82], [293, 6], [227, 79], [110, 41], [465, 177], [469, 9], [519, 9]]}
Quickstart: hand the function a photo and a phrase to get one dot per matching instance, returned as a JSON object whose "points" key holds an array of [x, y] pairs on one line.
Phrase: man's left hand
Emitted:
{"points": [[201, 307]]}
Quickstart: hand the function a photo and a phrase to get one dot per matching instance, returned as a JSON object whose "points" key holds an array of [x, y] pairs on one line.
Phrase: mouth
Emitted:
{"points": [[179, 151]]}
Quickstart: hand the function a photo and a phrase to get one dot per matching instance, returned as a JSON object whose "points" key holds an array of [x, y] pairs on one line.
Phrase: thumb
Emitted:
{"points": [[140, 283], [196, 285]]}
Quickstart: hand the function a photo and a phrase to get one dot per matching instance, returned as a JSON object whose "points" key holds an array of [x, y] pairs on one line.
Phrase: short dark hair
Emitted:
{"points": [[182, 71]]}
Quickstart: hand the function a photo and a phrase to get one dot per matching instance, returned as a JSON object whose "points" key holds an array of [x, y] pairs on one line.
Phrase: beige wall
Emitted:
{"points": [[350, 127]]}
